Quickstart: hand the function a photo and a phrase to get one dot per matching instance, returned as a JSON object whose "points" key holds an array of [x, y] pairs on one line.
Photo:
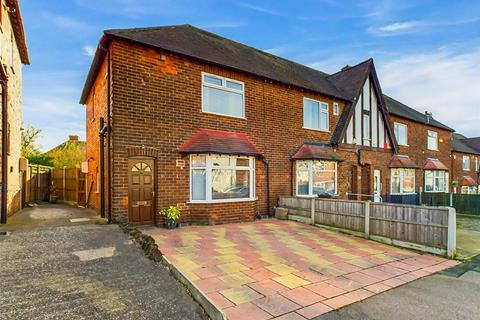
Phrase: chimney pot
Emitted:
{"points": [[73, 138], [346, 67]]}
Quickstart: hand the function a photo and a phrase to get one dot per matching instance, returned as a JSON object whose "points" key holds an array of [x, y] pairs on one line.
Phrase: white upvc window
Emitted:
{"points": [[402, 181], [466, 163], [469, 190], [316, 177], [223, 96], [476, 164], [366, 129], [432, 140], [401, 133], [220, 178], [336, 109], [436, 181], [315, 115]]}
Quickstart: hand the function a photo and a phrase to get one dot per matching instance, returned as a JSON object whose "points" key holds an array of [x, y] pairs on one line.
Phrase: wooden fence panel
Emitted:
{"points": [[296, 206], [346, 214]]}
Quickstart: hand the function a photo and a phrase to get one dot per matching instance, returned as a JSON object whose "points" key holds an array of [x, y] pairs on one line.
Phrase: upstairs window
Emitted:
{"points": [[401, 133], [476, 164], [315, 115], [366, 129], [222, 96], [432, 140], [466, 163], [336, 109]]}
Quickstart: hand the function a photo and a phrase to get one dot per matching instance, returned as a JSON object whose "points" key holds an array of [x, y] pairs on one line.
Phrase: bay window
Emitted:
{"points": [[402, 181], [315, 115], [316, 177], [436, 181], [222, 96], [219, 178]]}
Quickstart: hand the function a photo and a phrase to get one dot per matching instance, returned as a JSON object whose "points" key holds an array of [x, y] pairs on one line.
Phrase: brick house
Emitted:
{"points": [[13, 54], [221, 129], [465, 164], [428, 144]]}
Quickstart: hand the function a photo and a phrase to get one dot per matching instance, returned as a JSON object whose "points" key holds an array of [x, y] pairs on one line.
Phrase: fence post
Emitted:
{"points": [[64, 184], [39, 195], [367, 219], [312, 210], [452, 233], [451, 199]]}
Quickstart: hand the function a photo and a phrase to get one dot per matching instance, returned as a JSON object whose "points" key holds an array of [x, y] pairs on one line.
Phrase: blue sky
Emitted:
{"points": [[427, 53]]}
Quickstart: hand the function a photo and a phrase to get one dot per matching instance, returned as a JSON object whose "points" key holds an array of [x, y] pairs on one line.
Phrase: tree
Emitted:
{"points": [[30, 147]]}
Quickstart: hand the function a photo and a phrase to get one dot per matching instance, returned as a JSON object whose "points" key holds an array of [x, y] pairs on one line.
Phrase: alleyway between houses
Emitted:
{"points": [[53, 268]]}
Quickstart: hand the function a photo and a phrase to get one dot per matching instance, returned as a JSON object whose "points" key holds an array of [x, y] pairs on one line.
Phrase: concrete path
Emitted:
{"points": [[448, 295], [282, 269], [52, 268], [468, 236]]}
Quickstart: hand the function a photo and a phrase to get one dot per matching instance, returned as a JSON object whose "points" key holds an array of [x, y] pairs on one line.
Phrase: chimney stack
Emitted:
{"points": [[346, 67], [428, 115], [72, 138]]}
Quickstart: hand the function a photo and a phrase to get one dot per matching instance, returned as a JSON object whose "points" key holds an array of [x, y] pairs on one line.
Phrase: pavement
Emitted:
{"points": [[287, 270], [448, 295], [52, 268]]}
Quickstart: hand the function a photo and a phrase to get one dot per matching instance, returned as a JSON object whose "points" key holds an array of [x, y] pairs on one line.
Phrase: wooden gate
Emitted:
{"points": [[37, 183], [69, 185]]}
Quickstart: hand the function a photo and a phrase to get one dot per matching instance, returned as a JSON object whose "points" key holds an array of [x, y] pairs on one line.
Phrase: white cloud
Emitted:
{"points": [[393, 28], [88, 50], [445, 83], [258, 8]]}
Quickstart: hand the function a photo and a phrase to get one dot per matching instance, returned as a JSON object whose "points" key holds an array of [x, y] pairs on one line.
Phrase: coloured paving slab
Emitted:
{"points": [[273, 269]]}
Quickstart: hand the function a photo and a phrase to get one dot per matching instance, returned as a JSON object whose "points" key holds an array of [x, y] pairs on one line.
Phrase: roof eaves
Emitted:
{"points": [[18, 30]]}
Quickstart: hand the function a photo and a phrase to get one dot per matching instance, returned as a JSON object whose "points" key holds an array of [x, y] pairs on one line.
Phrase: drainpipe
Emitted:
{"points": [[102, 167], [267, 167], [3, 219], [109, 160]]}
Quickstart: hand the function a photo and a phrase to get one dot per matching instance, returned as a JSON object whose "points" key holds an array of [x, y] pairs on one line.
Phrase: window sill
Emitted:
{"points": [[432, 149], [224, 115], [319, 130], [403, 194], [221, 201]]}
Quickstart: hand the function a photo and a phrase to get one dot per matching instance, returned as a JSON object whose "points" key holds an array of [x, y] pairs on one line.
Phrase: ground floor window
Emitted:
{"points": [[469, 190], [436, 181], [402, 181], [220, 178], [316, 177]]}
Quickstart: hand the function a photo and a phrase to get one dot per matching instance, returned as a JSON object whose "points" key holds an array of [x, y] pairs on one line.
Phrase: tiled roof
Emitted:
{"points": [[220, 142], [399, 161], [399, 109], [434, 164], [467, 181], [315, 151], [461, 144]]}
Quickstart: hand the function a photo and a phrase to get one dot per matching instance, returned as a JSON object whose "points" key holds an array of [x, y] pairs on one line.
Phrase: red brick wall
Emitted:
{"points": [[157, 104], [457, 172], [417, 146]]}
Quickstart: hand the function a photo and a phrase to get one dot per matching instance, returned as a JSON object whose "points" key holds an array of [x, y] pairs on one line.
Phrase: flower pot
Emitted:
{"points": [[171, 223]]}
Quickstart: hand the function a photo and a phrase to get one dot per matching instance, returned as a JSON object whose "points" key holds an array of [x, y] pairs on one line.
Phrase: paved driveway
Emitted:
{"points": [[51, 268], [270, 268]]}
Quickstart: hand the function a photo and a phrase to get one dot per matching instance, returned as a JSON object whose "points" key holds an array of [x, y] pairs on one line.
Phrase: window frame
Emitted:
{"points": [[445, 181], [428, 140], [320, 111], [402, 178], [463, 163], [208, 177], [224, 88], [336, 109], [399, 124], [310, 178]]}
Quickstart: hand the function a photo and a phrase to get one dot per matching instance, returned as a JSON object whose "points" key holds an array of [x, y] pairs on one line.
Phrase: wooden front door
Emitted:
{"points": [[141, 191]]}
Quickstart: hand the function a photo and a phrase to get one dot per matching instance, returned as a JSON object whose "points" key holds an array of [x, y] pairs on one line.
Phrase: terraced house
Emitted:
{"points": [[221, 130], [13, 54], [465, 165]]}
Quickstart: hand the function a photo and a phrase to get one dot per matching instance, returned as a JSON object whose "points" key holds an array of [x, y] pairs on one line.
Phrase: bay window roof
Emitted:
{"points": [[467, 181], [220, 142], [400, 161], [315, 151], [434, 164]]}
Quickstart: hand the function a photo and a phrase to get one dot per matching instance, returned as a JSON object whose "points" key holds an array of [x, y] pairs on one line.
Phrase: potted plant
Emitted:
{"points": [[53, 193], [171, 214]]}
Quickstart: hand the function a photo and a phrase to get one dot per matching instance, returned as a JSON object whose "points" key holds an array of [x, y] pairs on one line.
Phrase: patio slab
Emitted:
{"points": [[272, 269]]}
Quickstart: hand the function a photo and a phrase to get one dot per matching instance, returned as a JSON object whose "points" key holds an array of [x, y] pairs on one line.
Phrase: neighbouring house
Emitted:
{"points": [[13, 54], [465, 164], [179, 116], [70, 153], [428, 145]]}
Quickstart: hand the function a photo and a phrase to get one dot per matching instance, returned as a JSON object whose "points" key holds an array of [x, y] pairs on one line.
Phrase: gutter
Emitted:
{"points": [[3, 83], [267, 167]]}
